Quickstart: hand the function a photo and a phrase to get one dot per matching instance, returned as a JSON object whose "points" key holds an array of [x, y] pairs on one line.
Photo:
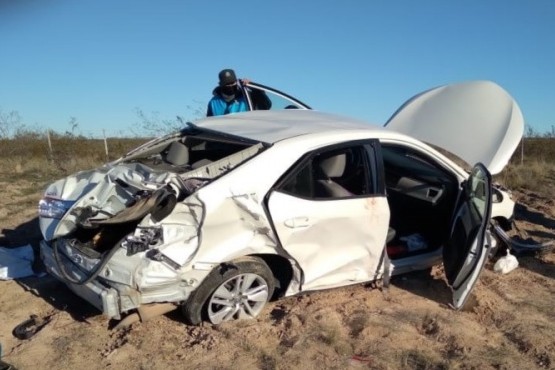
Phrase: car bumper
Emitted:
{"points": [[104, 298]]}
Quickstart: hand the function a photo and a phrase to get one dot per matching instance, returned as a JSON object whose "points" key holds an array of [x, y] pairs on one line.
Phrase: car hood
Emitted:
{"points": [[478, 121]]}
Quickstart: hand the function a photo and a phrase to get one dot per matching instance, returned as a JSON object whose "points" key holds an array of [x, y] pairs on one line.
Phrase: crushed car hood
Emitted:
{"points": [[478, 121]]}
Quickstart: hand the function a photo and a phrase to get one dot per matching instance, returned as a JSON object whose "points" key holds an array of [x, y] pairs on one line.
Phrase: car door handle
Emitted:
{"points": [[297, 222]]}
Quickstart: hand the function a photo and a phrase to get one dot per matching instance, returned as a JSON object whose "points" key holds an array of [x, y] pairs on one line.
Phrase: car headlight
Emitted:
{"points": [[54, 208]]}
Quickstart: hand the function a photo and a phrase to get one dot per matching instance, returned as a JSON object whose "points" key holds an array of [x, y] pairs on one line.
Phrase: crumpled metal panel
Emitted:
{"points": [[234, 227], [150, 274], [181, 230], [103, 192]]}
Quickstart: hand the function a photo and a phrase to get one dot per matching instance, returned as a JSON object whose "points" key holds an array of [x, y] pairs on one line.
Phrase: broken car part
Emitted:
{"points": [[519, 247], [30, 327]]}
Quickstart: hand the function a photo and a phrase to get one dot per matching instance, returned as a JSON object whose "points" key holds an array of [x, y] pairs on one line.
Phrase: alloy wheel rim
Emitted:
{"points": [[241, 297]]}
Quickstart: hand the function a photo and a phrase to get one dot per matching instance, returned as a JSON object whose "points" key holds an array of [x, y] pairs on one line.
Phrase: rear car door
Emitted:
{"points": [[331, 215], [466, 251]]}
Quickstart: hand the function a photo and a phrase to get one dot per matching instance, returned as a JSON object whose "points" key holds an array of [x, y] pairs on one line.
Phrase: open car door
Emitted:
{"points": [[466, 252], [260, 97]]}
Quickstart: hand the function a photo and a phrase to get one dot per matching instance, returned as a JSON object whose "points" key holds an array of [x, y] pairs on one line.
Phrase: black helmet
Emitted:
{"points": [[227, 77]]}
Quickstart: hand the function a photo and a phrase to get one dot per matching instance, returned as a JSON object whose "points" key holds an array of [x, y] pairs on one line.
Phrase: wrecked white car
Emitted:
{"points": [[234, 210]]}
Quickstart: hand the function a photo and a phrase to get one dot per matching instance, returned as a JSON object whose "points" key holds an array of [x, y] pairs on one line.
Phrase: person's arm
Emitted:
{"points": [[209, 112]]}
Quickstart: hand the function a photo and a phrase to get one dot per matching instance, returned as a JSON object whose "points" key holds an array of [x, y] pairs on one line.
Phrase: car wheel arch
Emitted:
{"points": [[282, 270], [194, 309]]}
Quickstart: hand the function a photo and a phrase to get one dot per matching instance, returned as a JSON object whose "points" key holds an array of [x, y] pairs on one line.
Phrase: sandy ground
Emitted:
{"points": [[509, 322]]}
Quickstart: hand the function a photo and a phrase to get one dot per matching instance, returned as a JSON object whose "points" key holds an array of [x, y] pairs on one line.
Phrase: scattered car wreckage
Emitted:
{"points": [[235, 210], [516, 246]]}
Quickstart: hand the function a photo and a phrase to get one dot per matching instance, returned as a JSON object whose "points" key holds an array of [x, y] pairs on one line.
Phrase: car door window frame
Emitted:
{"points": [[298, 104], [373, 170]]}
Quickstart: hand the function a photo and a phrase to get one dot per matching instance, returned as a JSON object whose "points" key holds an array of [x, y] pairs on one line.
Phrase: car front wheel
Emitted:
{"points": [[235, 290]]}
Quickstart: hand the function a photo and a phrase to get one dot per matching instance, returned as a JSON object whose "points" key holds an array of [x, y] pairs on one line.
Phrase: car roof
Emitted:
{"points": [[273, 126]]}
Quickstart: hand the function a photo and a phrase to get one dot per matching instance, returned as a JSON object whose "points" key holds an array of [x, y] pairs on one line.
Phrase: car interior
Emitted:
{"points": [[421, 196], [338, 173], [189, 153]]}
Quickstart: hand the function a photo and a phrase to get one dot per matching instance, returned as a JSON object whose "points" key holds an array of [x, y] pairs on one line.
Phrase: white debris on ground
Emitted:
{"points": [[506, 264]]}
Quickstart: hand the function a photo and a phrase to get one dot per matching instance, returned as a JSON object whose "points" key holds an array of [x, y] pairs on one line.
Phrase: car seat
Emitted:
{"points": [[178, 154], [327, 169]]}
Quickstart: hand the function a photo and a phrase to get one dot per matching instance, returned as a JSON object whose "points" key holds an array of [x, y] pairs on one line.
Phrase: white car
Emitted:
{"points": [[235, 210]]}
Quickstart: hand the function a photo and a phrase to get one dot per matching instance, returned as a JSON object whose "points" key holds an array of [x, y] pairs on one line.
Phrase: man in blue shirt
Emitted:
{"points": [[228, 97]]}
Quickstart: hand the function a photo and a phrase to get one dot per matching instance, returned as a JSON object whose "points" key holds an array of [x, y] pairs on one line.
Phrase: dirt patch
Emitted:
{"points": [[509, 323]]}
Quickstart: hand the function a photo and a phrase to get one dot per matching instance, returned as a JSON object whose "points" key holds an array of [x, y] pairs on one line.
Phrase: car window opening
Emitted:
{"points": [[335, 174]]}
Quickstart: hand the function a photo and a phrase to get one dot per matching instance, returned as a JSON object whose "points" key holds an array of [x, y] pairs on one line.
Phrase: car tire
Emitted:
{"points": [[234, 290]]}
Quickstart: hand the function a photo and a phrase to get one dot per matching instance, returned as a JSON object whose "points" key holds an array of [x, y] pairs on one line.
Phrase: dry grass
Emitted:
{"points": [[536, 175], [532, 166], [539, 148], [29, 156]]}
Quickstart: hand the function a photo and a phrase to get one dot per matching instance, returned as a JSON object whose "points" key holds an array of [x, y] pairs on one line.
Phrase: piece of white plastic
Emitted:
{"points": [[16, 263], [506, 264]]}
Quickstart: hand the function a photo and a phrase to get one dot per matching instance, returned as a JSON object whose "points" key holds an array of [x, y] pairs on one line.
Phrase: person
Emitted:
{"points": [[227, 96]]}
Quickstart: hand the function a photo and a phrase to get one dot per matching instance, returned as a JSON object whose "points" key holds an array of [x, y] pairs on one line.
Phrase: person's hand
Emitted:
{"points": [[245, 81]]}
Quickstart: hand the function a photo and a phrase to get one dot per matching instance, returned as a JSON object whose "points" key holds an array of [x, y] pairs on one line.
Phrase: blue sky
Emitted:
{"points": [[101, 60]]}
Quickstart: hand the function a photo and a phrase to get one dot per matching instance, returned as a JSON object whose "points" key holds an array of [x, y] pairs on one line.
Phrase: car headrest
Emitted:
{"points": [[334, 166], [178, 154]]}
